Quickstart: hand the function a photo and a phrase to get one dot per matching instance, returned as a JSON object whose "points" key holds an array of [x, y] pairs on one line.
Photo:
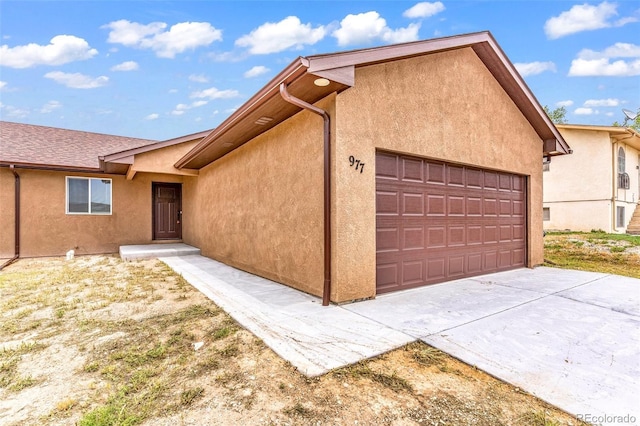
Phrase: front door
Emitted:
{"points": [[167, 211]]}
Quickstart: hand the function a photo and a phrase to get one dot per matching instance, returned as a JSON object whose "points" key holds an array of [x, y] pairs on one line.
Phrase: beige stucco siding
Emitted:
{"points": [[260, 207], [581, 190], [443, 106], [162, 160], [7, 202], [46, 228]]}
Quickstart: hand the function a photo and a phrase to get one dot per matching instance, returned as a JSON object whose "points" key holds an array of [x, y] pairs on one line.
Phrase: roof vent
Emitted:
{"points": [[263, 120]]}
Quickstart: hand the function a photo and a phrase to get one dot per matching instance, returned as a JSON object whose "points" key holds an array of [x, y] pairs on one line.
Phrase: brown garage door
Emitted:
{"points": [[437, 221]]}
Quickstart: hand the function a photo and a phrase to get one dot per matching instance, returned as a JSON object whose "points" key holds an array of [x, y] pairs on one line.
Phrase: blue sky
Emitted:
{"points": [[158, 70]]}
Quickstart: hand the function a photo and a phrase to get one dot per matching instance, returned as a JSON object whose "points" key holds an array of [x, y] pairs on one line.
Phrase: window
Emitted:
{"points": [[546, 214], [545, 166], [619, 217], [623, 177], [621, 161], [88, 195]]}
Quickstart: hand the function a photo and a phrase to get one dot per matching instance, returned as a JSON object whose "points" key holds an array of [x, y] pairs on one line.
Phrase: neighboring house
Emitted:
{"points": [[347, 175], [596, 187]]}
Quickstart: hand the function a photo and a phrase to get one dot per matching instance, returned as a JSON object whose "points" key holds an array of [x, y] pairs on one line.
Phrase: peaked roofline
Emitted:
{"points": [[339, 68]]}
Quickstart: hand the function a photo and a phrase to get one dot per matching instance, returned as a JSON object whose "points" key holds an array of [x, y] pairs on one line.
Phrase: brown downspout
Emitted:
{"points": [[17, 219], [326, 293]]}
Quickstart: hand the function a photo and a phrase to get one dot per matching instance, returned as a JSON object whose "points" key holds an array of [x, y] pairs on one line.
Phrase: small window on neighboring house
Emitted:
{"points": [[623, 177], [545, 166], [88, 195], [620, 217], [546, 213]]}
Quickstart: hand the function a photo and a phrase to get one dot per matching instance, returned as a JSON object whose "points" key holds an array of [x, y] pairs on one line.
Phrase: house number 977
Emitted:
{"points": [[359, 165]]}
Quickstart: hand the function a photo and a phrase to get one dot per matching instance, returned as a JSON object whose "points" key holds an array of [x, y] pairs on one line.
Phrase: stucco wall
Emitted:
{"points": [[578, 188], [260, 207], [443, 106], [7, 234], [46, 229], [162, 160]]}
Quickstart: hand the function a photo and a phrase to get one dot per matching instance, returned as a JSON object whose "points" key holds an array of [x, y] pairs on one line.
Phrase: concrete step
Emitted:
{"points": [[152, 251]]}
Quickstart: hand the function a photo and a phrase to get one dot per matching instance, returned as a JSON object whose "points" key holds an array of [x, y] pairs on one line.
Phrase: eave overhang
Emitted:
{"points": [[266, 109], [627, 135]]}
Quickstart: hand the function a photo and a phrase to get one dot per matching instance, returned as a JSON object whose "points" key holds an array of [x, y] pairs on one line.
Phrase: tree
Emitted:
{"points": [[558, 115], [635, 124]]}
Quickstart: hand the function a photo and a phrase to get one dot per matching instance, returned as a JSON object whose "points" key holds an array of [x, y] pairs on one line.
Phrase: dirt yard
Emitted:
{"points": [[96, 341]]}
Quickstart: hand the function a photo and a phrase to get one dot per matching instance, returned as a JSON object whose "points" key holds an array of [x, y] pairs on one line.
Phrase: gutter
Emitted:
{"points": [[326, 292], [17, 219]]}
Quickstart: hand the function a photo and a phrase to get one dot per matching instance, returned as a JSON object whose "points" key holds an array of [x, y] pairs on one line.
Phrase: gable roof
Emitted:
{"points": [[28, 145], [266, 108], [629, 135]]}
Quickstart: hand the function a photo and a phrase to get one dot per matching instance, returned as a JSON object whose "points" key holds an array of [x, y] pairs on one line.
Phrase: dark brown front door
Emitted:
{"points": [[438, 221], [167, 211]]}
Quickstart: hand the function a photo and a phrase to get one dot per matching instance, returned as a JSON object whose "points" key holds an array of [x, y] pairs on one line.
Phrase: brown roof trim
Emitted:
{"points": [[341, 65], [152, 147], [49, 167], [295, 69]]}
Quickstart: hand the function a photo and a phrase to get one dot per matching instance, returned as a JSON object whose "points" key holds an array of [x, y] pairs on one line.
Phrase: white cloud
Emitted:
{"points": [[62, 49], [152, 117], [566, 103], [201, 78], [77, 80], [166, 44], [602, 102], [585, 111], [213, 93], [181, 108], [593, 63], [424, 10], [256, 71], [533, 68], [584, 17], [13, 112], [367, 27], [273, 37], [50, 107], [125, 66], [3, 84]]}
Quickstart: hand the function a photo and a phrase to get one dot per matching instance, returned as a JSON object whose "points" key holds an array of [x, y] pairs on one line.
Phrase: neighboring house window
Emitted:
{"points": [[620, 217], [545, 166], [88, 195], [546, 213], [623, 177]]}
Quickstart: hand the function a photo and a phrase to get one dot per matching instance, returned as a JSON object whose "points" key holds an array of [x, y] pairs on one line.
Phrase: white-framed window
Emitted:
{"points": [[620, 217], [88, 195]]}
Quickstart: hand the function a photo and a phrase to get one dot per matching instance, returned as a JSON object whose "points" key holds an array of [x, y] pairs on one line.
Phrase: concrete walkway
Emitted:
{"points": [[571, 338]]}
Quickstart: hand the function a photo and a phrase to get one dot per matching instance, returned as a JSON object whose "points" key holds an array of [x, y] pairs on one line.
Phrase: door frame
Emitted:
{"points": [[155, 185]]}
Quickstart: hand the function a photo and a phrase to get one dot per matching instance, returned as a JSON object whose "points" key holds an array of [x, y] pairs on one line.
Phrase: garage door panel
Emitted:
{"points": [[412, 170], [387, 203], [437, 221], [386, 166], [413, 204]]}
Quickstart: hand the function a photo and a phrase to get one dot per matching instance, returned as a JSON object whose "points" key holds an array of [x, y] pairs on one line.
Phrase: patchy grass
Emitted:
{"points": [[594, 251], [96, 341]]}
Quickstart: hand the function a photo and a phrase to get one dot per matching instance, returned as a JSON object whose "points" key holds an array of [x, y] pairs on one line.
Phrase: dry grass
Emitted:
{"points": [[594, 251], [96, 341]]}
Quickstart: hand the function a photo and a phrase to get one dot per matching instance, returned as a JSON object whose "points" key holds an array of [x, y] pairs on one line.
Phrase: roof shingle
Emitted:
{"points": [[51, 146]]}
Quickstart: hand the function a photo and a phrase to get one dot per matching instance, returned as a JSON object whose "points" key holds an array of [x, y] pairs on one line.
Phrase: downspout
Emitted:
{"points": [[326, 292], [17, 219]]}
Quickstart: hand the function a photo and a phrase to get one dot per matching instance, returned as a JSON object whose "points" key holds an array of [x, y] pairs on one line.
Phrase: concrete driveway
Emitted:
{"points": [[571, 338]]}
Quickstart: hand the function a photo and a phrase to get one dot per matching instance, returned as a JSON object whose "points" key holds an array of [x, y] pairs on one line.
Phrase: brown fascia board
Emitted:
{"points": [[290, 73], [50, 167], [126, 157], [341, 64]]}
